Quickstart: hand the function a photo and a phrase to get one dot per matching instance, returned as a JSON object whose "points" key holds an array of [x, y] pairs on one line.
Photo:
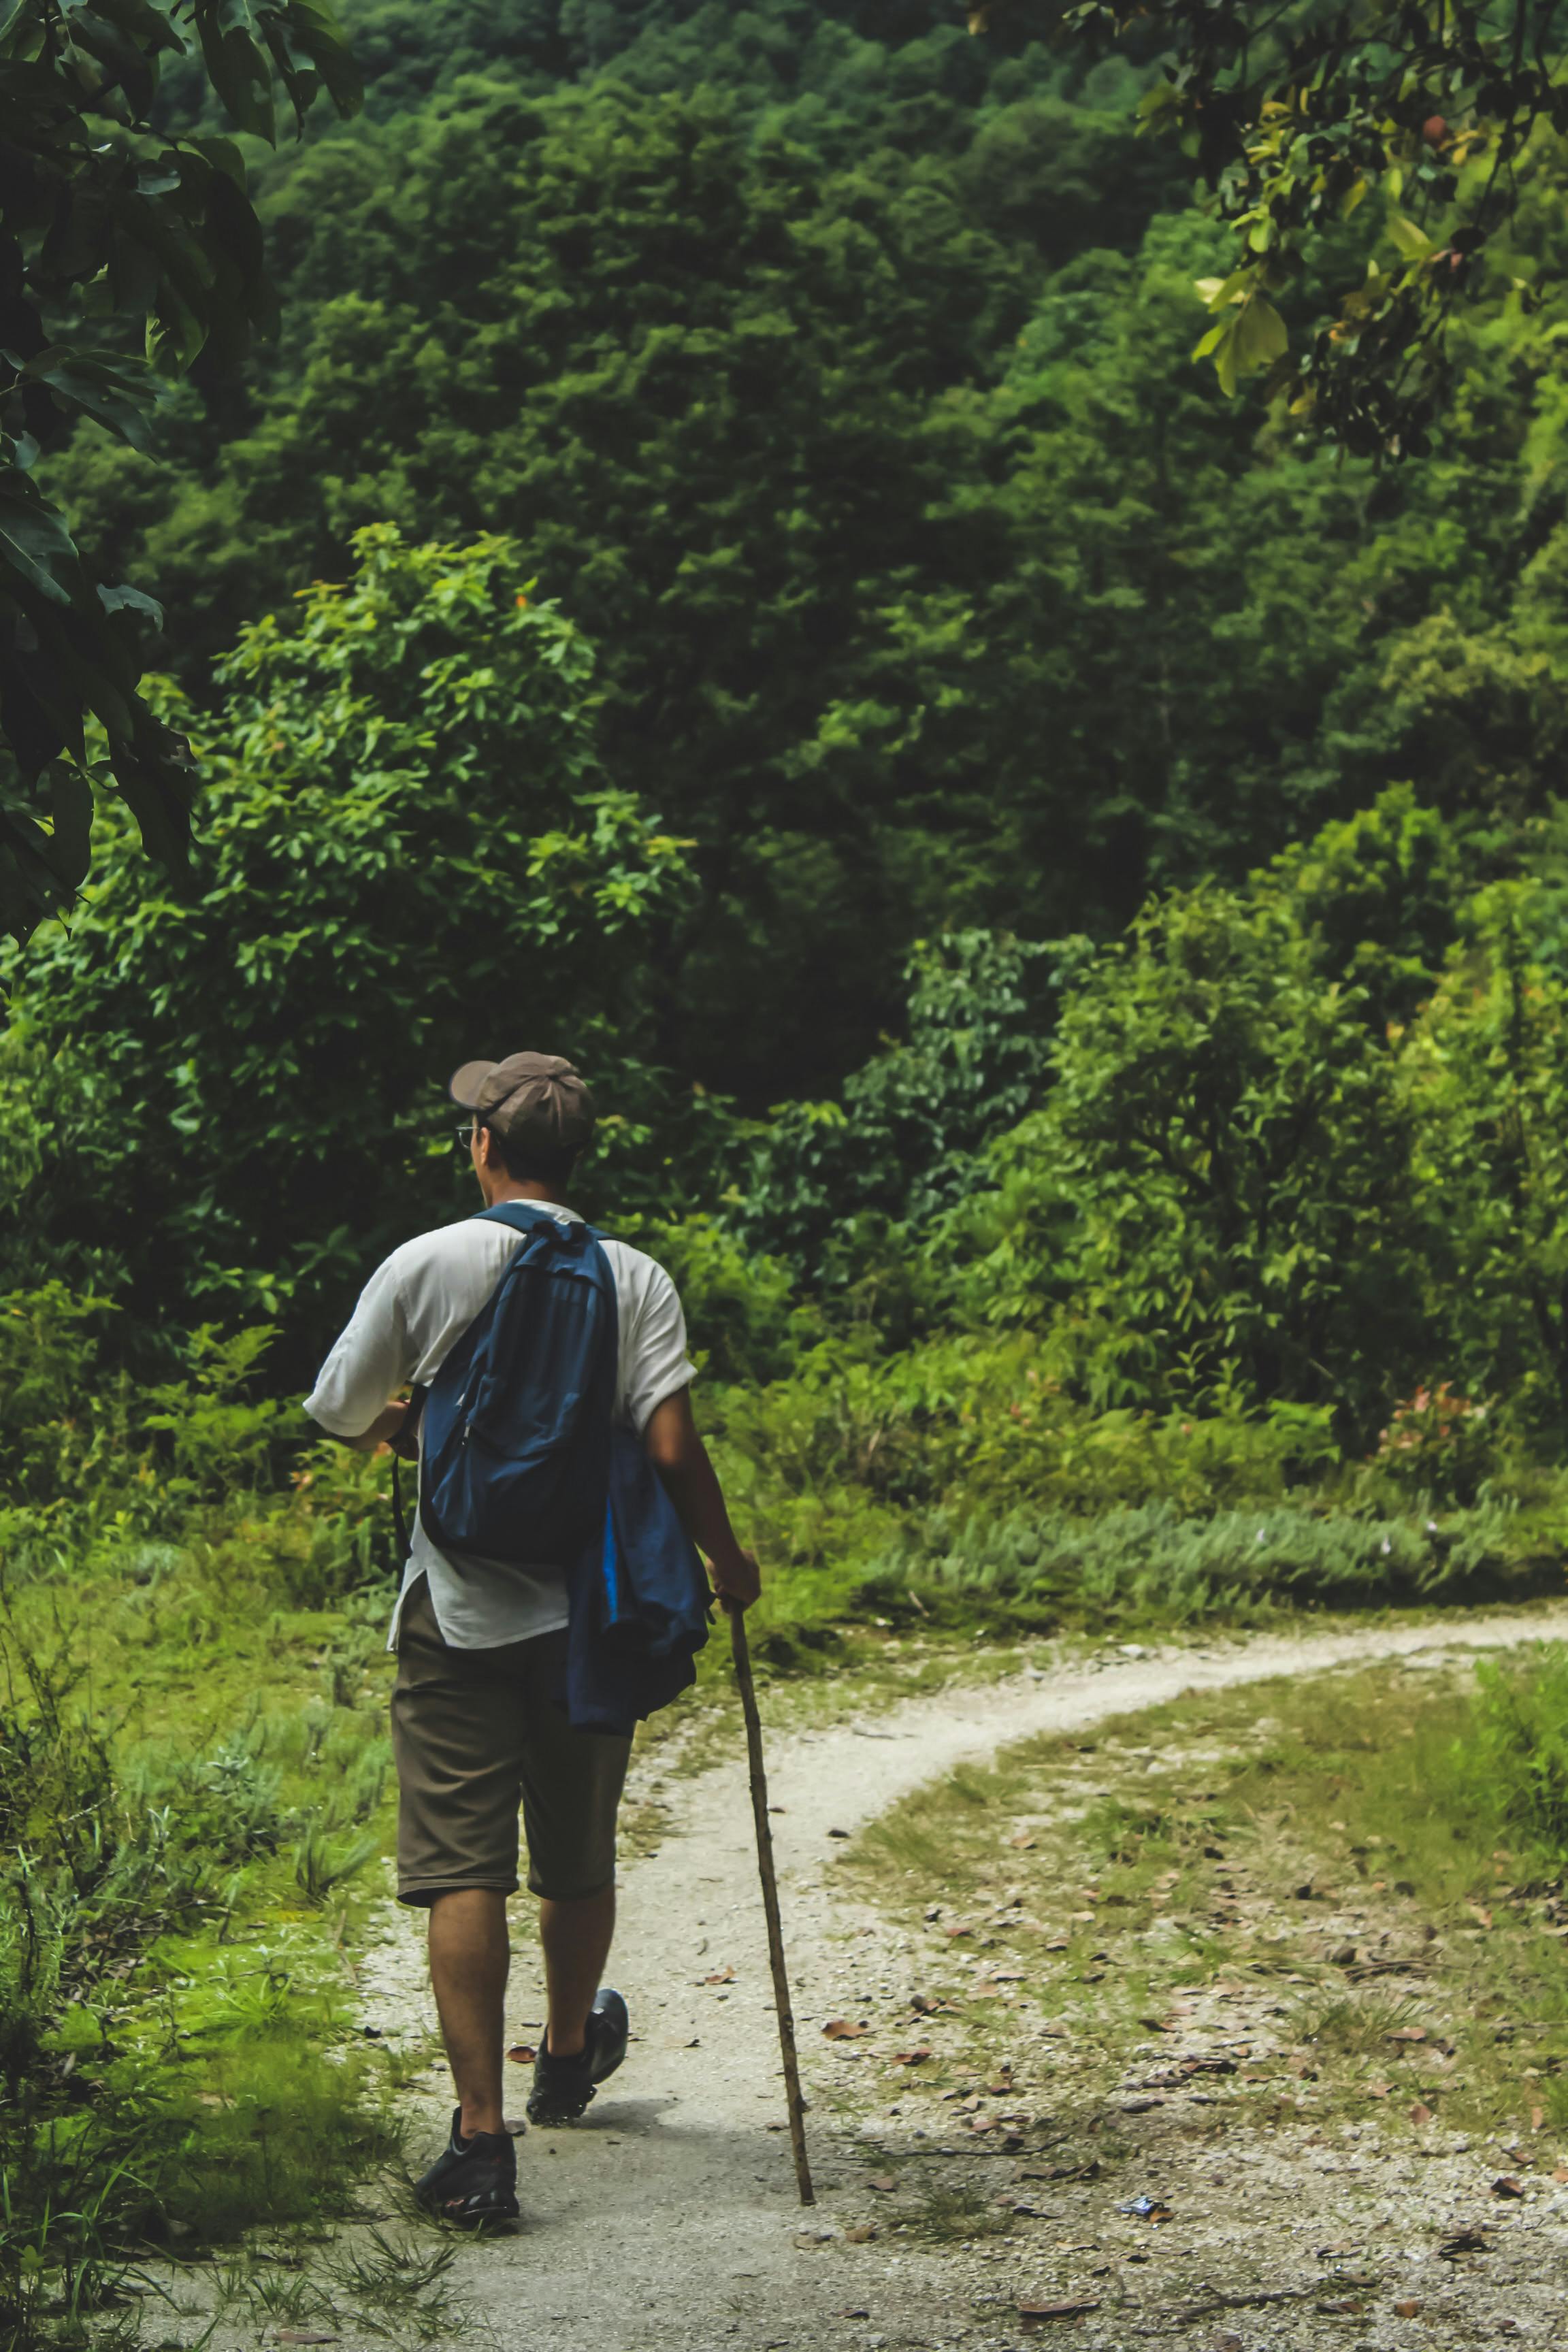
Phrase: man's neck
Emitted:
{"points": [[507, 1188]]}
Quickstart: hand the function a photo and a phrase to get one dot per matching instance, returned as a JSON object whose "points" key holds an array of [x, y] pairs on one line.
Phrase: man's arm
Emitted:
{"points": [[369, 1364], [383, 1430], [679, 1454]]}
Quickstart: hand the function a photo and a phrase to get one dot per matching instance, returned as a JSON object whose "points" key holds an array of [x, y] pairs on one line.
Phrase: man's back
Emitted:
{"points": [[413, 1310]]}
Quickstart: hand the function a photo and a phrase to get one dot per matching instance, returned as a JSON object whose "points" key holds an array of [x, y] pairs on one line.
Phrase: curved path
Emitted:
{"points": [[667, 2218]]}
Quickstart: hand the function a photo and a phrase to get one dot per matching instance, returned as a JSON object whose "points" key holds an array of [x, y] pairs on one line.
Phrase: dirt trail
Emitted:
{"points": [[667, 2218]]}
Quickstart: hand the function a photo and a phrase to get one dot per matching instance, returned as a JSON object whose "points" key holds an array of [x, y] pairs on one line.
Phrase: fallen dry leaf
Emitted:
{"points": [[1408, 2309], [882, 2181], [910, 2057], [1408, 2033], [843, 2029], [1507, 2187], [1023, 1842], [721, 1976], [523, 2053], [1478, 1911], [861, 2234], [1536, 2118], [1420, 2114]]}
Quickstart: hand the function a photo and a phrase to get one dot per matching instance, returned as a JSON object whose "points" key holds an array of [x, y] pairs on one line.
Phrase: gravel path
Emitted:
{"points": [[667, 2217]]}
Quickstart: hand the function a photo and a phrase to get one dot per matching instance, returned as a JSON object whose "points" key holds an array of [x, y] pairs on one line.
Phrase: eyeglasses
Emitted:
{"points": [[465, 1135]]}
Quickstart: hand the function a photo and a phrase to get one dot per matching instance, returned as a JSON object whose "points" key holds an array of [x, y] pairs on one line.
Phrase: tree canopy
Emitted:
{"points": [[1393, 134], [115, 229], [833, 369], [406, 832], [961, 716]]}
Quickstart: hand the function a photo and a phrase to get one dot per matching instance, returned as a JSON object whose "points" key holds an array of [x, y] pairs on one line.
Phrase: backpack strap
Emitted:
{"points": [[527, 1217]]}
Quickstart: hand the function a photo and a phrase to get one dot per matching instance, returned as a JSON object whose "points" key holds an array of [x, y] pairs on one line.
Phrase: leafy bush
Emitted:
{"points": [[54, 1432], [901, 1144], [219, 1440], [199, 1473], [1436, 1442], [404, 828], [1217, 1190], [973, 1418], [1154, 1562], [1484, 1086], [744, 1311]]}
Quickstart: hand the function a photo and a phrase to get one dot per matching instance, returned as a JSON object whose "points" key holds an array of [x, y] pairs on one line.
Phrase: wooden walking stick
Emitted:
{"points": [[771, 1902]]}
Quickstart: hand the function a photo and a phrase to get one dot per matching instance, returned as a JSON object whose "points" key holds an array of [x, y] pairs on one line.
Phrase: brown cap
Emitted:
{"points": [[529, 1094]]}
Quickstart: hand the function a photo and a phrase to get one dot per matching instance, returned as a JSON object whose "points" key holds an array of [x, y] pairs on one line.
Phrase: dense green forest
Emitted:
{"points": [[832, 369], [730, 571]]}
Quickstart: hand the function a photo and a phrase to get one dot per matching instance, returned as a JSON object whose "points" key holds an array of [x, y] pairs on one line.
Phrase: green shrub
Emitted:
{"points": [[1216, 1190], [59, 1428], [965, 1418], [386, 765], [1155, 1562], [827, 1176], [219, 1440], [744, 1317]]}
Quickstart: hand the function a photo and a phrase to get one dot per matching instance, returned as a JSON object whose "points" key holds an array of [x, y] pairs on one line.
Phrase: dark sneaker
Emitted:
{"points": [[562, 2087], [473, 2182]]}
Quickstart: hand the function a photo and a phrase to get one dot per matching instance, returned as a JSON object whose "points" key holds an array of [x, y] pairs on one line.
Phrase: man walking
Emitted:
{"points": [[478, 1719]]}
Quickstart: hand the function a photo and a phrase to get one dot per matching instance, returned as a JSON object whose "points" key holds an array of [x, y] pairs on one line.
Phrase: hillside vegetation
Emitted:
{"points": [[730, 572]]}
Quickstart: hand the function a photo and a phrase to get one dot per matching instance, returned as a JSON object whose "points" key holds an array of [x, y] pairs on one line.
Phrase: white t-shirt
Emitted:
{"points": [[410, 1313]]}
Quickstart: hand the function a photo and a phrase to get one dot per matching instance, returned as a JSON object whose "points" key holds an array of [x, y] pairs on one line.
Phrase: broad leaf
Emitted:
{"points": [[35, 544]]}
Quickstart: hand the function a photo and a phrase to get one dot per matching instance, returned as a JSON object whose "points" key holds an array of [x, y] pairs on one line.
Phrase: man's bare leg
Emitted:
{"points": [[469, 1956], [576, 1938]]}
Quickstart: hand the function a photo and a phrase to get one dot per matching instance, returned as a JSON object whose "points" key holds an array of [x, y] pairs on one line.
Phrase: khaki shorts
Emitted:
{"points": [[477, 1732]]}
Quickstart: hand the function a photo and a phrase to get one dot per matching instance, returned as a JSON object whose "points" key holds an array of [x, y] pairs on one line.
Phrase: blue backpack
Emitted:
{"points": [[517, 1421], [521, 1463]]}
